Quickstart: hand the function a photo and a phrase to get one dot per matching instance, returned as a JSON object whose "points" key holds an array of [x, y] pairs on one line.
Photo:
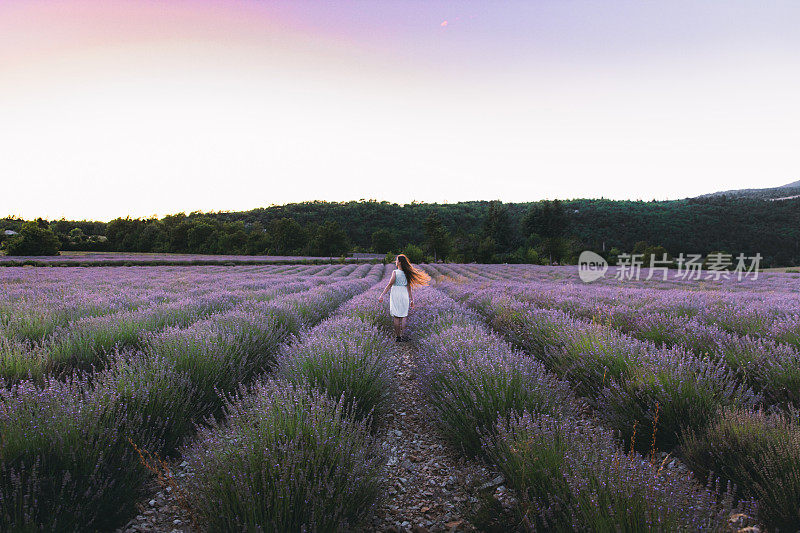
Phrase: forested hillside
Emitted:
{"points": [[467, 231]]}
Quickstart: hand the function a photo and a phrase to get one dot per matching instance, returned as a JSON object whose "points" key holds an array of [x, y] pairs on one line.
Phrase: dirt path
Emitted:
{"points": [[431, 488]]}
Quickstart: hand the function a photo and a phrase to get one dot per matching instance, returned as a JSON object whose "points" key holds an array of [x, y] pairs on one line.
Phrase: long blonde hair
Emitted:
{"points": [[415, 276]]}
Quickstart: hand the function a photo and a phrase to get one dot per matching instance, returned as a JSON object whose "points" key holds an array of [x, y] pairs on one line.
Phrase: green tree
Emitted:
{"points": [[414, 253], [639, 247], [76, 236], [288, 236], [497, 226], [330, 240], [486, 250], [200, 238], [383, 241], [465, 246], [549, 221], [258, 241], [153, 237], [438, 239], [232, 238], [34, 239]]}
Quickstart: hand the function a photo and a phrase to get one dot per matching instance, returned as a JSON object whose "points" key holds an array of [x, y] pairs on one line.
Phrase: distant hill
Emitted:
{"points": [[784, 192]]}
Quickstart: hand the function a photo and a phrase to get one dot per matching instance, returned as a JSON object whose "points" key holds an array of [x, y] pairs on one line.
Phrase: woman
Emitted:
{"points": [[401, 297]]}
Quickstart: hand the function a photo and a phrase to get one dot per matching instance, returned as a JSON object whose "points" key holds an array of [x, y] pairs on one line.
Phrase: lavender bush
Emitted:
{"points": [[165, 400], [471, 376], [769, 367], [672, 390], [286, 459], [572, 476], [65, 460], [219, 353], [760, 454], [89, 340], [21, 359], [366, 307], [345, 358]]}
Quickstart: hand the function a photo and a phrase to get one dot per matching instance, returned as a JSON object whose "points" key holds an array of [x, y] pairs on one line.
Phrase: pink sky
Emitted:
{"points": [[142, 107]]}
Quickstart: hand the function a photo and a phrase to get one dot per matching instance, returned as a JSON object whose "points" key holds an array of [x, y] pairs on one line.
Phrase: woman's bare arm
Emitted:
{"points": [[410, 296], [389, 286]]}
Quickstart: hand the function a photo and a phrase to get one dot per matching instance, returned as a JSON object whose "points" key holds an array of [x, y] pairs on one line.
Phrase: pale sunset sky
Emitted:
{"points": [[141, 107]]}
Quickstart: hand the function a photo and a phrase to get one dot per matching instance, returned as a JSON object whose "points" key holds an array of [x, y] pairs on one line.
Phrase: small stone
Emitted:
{"points": [[152, 503], [493, 483], [177, 522]]}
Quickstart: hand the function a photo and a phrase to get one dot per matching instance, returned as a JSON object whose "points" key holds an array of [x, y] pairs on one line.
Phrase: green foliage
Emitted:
{"points": [[437, 237], [532, 257], [695, 225], [288, 236], [547, 219], [346, 358], [758, 452], [286, 459], [414, 254], [383, 241], [33, 239], [497, 225], [572, 476], [330, 240], [486, 250]]}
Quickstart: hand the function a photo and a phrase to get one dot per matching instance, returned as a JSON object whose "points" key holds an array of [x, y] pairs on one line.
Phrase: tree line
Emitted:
{"points": [[484, 231]]}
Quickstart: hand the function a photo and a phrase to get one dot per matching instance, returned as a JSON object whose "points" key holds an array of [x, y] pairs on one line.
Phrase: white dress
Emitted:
{"points": [[398, 298]]}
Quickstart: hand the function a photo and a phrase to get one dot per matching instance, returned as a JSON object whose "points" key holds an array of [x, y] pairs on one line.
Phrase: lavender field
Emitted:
{"points": [[275, 398], [72, 258]]}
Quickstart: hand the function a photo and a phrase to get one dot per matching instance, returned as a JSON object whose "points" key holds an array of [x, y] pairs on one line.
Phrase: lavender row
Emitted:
{"points": [[768, 367], [296, 451], [662, 399], [33, 307], [67, 460], [765, 282], [84, 342], [769, 314], [630, 383], [494, 401]]}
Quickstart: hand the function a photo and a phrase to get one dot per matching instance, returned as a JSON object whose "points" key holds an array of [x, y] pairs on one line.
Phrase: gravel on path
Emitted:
{"points": [[432, 487]]}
